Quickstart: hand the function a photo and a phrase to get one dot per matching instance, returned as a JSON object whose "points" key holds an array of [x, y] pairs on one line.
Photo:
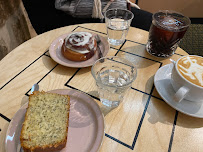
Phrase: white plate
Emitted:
{"points": [[86, 124], [56, 55], [163, 86]]}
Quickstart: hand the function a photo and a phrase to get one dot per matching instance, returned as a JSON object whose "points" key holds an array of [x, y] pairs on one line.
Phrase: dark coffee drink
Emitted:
{"points": [[166, 30]]}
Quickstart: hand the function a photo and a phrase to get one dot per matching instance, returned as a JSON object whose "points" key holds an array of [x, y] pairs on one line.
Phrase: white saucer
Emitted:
{"points": [[163, 85]]}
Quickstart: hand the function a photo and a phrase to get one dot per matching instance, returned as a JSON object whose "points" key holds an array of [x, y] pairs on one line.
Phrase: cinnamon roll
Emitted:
{"points": [[79, 46]]}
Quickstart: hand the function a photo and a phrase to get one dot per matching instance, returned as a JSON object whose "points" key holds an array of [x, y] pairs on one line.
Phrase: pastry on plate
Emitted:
{"points": [[79, 46]]}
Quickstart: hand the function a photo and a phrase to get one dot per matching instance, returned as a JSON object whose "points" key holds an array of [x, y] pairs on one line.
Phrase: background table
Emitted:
{"points": [[142, 122]]}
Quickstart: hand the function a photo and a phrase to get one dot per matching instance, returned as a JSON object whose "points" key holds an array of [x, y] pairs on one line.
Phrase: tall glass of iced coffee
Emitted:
{"points": [[167, 29]]}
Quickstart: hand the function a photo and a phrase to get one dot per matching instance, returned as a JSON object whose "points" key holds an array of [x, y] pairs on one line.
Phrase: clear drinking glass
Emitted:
{"points": [[113, 76], [117, 23], [167, 29]]}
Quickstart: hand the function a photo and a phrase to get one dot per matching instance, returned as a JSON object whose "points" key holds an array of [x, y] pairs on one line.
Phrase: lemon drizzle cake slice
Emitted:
{"points": [[45, 126]]}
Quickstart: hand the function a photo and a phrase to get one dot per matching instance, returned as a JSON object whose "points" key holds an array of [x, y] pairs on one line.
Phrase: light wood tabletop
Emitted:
{"points": [[142, 122]]}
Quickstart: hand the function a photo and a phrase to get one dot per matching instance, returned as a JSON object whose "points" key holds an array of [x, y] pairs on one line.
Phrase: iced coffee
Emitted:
{"points": [[167, 29]]}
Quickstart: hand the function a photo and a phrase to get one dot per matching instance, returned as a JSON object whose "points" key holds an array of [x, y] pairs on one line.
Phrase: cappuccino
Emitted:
{"points": [[191, 68]]}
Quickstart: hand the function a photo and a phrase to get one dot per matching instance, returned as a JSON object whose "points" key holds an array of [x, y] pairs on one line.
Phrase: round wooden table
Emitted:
{"points": [[142, 122]]}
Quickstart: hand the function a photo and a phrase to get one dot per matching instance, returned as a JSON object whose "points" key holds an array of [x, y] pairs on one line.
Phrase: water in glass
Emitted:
{"points": [[112, 86], [117, 31]]}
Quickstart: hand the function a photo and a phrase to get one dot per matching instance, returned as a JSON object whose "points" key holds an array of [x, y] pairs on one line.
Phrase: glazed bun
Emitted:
{"points": [[79, 46]]}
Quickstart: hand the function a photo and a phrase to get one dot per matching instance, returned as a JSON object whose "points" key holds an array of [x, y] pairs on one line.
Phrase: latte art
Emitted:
{"points": [[191, 68]]}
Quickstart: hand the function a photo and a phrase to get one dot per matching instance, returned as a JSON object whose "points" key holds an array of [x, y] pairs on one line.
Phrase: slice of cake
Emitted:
{"points": [[45, 126]]}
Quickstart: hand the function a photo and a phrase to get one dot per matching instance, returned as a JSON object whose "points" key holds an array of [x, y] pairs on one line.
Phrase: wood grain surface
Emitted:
{"points": [[142, 122]]}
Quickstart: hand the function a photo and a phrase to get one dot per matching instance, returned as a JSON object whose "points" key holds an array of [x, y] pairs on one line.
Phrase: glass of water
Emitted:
{"points": [[114, 76], [117, 22]]}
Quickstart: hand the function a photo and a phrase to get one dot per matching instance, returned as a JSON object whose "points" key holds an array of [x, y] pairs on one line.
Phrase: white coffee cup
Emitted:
{"points": [[184, 87]]}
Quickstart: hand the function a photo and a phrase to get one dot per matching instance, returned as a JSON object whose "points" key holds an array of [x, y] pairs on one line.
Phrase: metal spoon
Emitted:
{"points": [[98, 45], [174, 62], [35, 87], [21, 149]]}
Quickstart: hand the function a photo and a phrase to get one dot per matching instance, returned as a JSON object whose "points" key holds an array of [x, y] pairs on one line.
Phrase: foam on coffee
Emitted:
{"points": [[191, 68]]}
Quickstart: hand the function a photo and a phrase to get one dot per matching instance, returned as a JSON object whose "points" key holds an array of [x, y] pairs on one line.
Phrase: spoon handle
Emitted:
{"points": [[35, 87]]}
